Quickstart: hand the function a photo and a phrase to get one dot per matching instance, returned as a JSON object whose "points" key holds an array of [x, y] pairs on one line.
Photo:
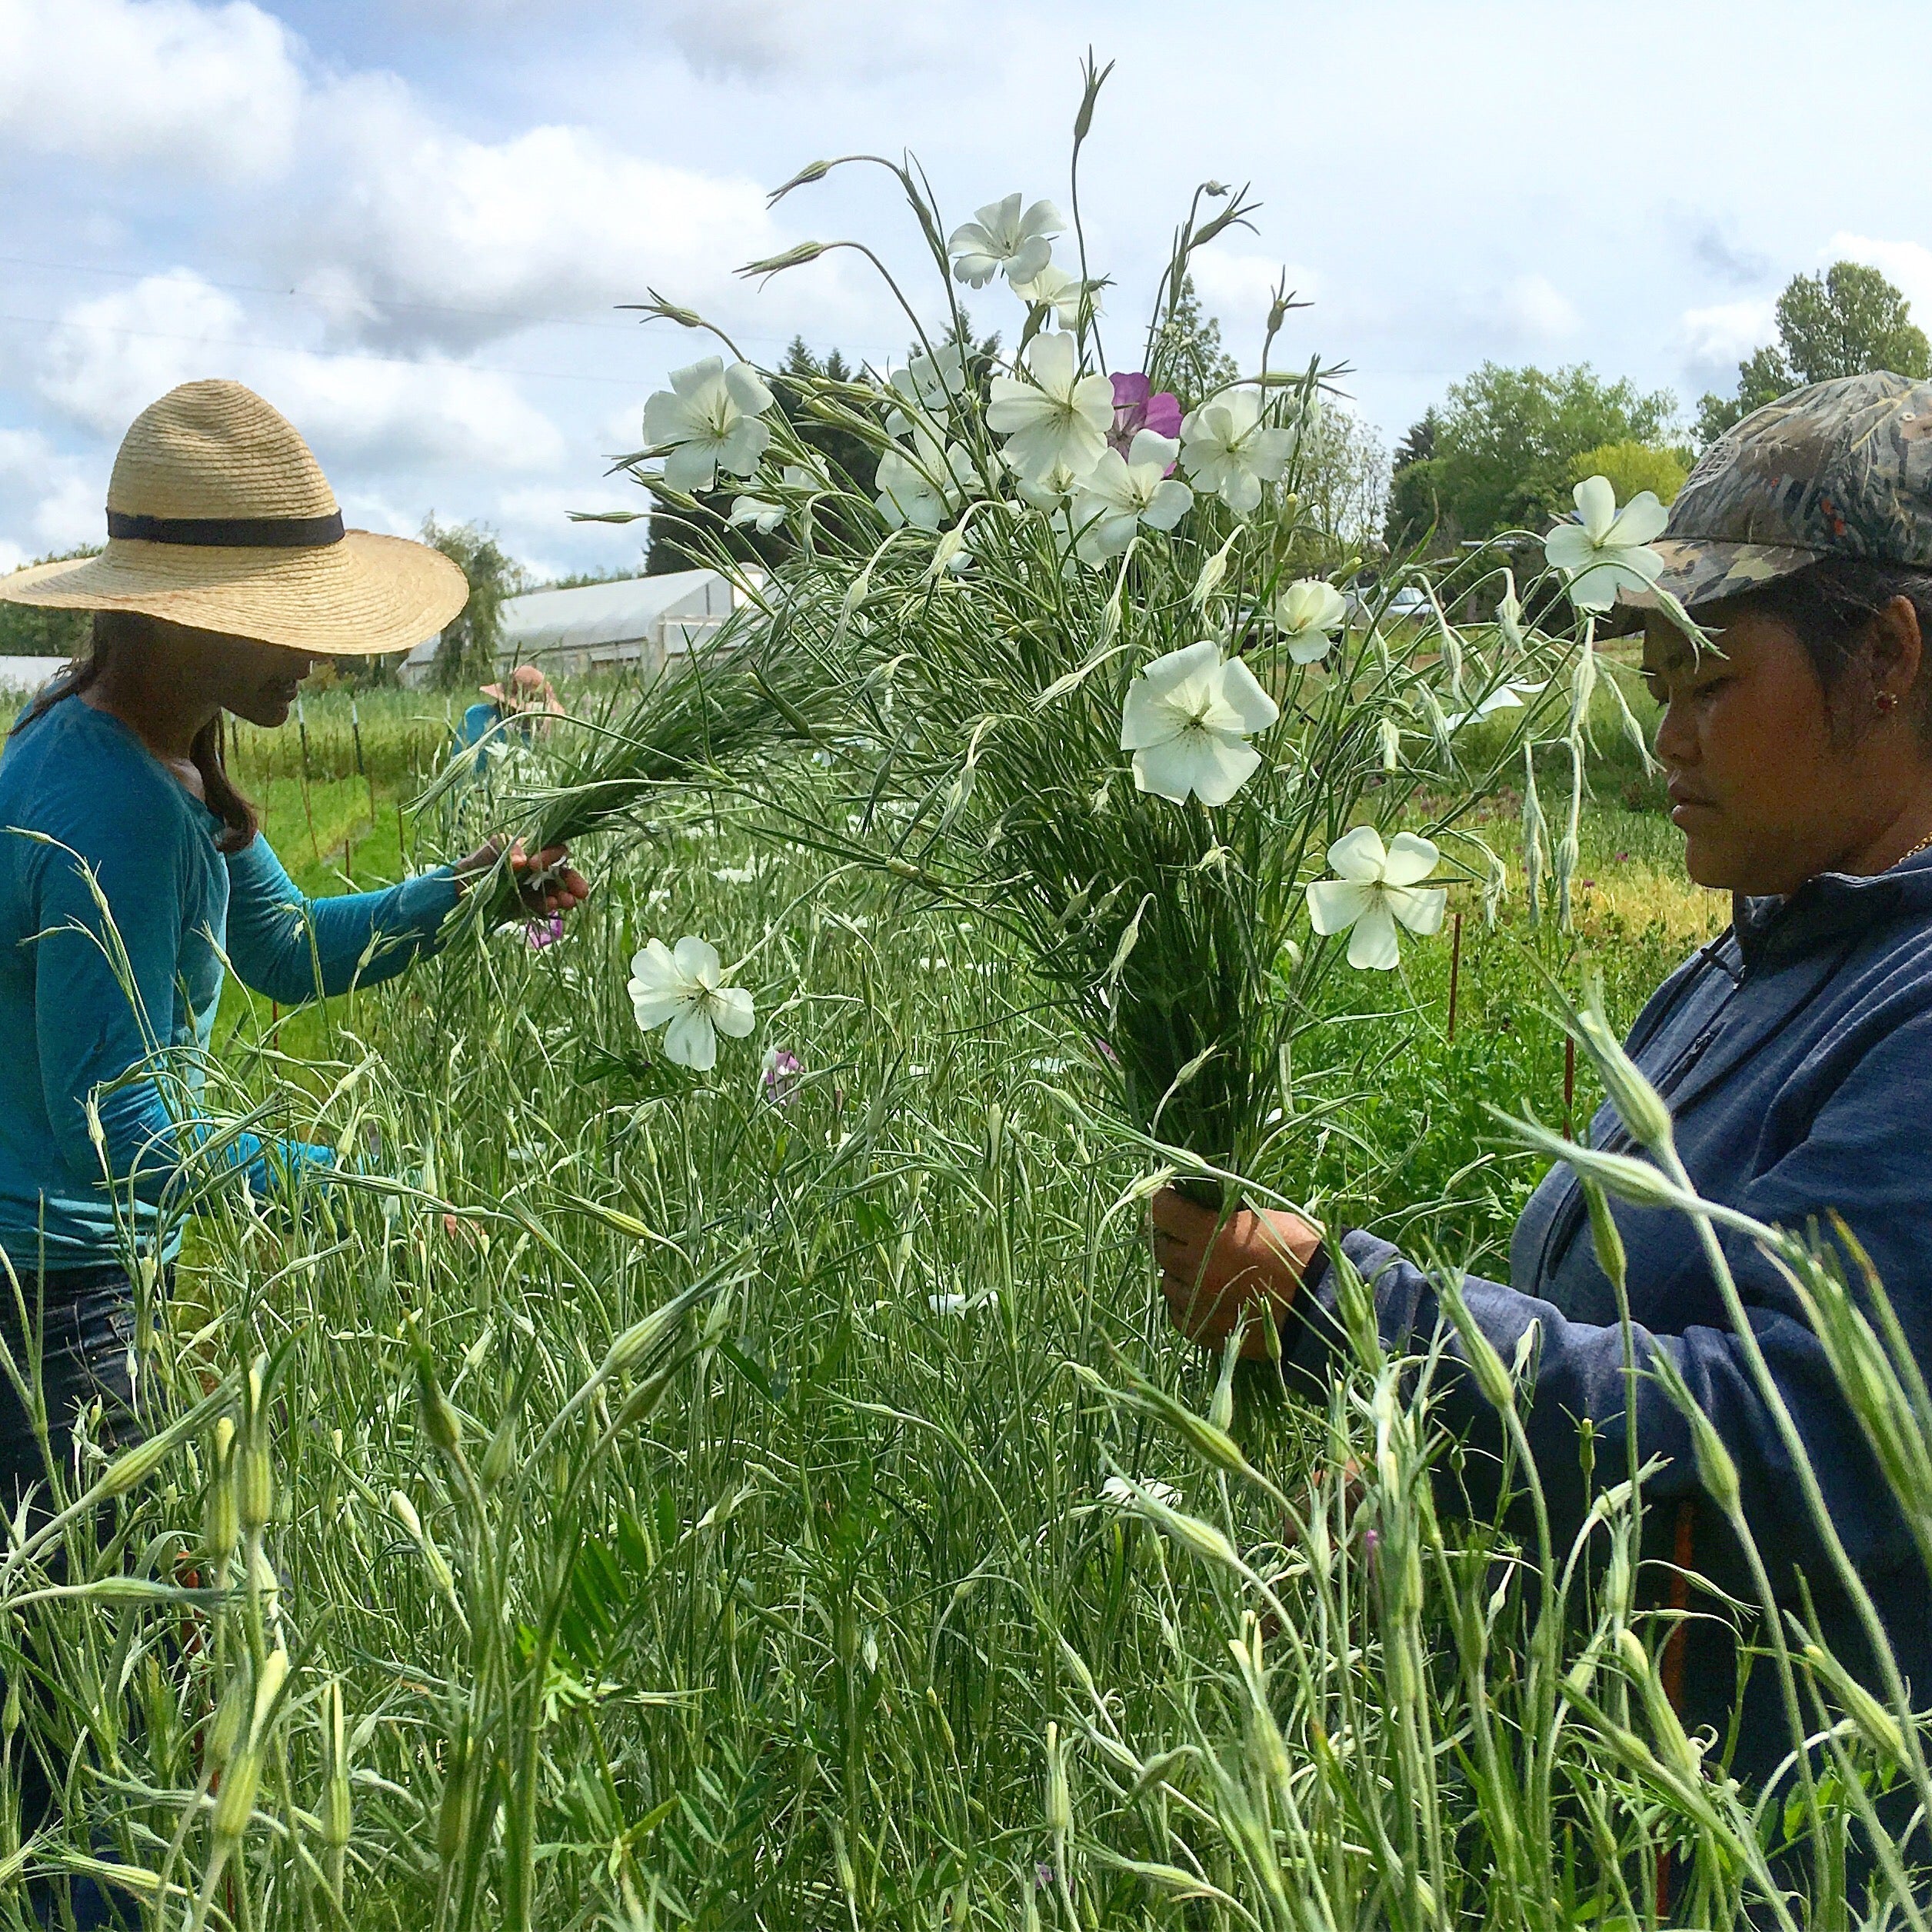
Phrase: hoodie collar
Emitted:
{"points": [[1773, 931]]}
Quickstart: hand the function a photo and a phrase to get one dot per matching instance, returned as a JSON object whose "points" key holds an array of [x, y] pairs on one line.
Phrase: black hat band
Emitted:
{"points": [[230, 533]]}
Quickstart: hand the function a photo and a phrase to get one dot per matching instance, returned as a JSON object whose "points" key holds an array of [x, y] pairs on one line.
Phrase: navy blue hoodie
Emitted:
{"points": [[1796, 1055]]}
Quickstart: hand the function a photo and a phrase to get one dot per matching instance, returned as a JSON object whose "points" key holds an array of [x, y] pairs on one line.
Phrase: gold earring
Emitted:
{"points": [[1887, 700]]}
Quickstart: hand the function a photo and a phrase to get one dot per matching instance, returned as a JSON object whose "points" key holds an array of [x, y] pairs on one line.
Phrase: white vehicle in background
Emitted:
{"points": [[1366, 600]]}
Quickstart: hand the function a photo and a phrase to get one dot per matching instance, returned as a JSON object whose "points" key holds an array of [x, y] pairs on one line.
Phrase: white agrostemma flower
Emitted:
{"points": [[1120, 493], [1058, 420], [1307, 613], [1187, 719], [1605, 550], [1229, 449], [929, 385], [1000, 240], [764, 516], [708, 420], [925, 488], [1374, 891], [681, 991], [1065, 295]]}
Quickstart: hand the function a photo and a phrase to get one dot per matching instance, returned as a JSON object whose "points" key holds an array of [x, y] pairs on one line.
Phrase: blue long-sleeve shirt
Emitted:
{"points": [[122, 1008], [1796, 1055]]}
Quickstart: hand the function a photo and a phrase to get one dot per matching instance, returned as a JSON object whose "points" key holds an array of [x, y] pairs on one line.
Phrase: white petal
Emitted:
{"points": [[1419, 908], [698, 961], [1149, 717], [1335, 905], [1597, 505], [1241, 693], [655, 966], [1150, 447], [1411, 858], [1310, 648], [1052, 360], [1240, 490], [1639, 521], [1371, 946], [696, 377], [1225, 765], [1568, 547], [746, 388], [1358, 854], [1029, 258], [732, 1011], [1169, 503], [691, 468], [689, 1041]]}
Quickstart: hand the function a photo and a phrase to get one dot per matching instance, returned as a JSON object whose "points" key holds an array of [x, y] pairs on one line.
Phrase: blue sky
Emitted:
{"points": [[408, 224]]}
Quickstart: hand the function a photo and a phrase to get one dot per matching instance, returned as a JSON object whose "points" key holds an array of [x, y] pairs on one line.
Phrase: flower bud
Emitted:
{"points": [[1639, 1105], [1876, 1724], [234, 1804], [225, 1735], [404, 1512], [336, 1805], [1060, 1809], [255, 1482]]}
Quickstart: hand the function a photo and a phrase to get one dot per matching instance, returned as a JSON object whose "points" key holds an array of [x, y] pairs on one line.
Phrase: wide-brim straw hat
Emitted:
{"points": [[220, 518]]}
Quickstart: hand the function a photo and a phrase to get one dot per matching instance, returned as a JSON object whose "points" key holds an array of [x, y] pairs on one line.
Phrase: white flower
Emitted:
{"points": [[1066, 295], [1504, 697], [1118, 1490], [929, 385], [925, 487], [1374, 890], [710, 414], [1001, 239], [765, 517], [1307, 613], [1605, 552], [1048, 492], [1226, 446], [1059, 419], [1186, 716], [1120, 492], [679, 990]]}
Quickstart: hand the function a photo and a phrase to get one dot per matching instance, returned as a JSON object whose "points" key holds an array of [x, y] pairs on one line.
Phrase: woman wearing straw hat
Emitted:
{"points": [[131, 869]]}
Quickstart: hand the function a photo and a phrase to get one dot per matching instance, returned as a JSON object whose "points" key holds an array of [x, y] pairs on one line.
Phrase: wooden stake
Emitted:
{"points": [[308, 811], [1455, 975]]}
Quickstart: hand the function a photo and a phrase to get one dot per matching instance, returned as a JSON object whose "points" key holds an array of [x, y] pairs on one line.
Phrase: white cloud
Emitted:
{"points": [[426, 235], [53, 497], [1539, 309], [157, 83], [1907, 265], [113, 356], [1238, 288], [1721, 337], [848, 39]]}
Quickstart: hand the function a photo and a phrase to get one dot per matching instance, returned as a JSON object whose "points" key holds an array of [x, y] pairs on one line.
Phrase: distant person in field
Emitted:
{"points": [[132, 868], [1795, 1053], [524, 704]]}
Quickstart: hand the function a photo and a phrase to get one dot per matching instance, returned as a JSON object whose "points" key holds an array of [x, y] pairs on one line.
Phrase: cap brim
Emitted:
{"points": [[1696, 571], [366, 596]]}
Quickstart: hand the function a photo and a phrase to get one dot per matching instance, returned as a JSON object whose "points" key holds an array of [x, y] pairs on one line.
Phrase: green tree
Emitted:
{"points": [[467, 654], [1631, 468], [1500, 449], [28, 631], [1846, 321]]}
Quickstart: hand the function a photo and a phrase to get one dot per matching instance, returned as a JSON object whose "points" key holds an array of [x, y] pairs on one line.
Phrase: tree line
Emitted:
{"points": [[1502, 451]]}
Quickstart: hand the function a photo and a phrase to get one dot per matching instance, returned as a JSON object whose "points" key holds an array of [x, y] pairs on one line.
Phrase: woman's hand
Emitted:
{"points": [[1212, 1280], [545, 884]]}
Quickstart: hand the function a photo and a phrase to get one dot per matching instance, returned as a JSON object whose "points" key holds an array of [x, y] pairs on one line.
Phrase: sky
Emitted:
{"points": [[410, 225]]}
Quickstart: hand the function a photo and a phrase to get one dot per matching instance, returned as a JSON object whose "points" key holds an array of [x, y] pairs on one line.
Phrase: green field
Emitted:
{"points": [[813, 1609]]}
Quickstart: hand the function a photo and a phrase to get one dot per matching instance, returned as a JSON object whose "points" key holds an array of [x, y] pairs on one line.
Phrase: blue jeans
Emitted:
{"points": [[84, 1320]]}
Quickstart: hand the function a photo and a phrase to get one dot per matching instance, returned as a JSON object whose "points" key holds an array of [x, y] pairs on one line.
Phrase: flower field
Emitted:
{"points": [[713, 1452], [834, 1602]]}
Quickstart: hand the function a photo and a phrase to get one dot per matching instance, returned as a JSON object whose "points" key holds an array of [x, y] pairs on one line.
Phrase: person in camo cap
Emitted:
{"points": [[1795, 1052]]}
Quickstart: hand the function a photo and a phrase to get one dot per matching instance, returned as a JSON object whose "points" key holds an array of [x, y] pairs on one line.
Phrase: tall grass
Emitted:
{"points": [[759, 1508]]}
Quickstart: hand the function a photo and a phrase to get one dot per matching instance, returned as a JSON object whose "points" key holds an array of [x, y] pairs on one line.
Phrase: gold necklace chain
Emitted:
{"points": [[1923, 844]]}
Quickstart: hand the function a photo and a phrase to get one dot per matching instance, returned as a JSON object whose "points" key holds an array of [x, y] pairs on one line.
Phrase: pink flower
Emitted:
{"points": [[783, 1070], [544, 932], [1138, 405]]}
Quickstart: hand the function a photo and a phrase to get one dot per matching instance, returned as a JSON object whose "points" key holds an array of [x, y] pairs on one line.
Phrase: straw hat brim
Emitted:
{"points": [[364, 597]]}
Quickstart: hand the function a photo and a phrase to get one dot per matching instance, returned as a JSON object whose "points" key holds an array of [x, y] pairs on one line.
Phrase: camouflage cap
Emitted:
{"points": [[1840, 469]]}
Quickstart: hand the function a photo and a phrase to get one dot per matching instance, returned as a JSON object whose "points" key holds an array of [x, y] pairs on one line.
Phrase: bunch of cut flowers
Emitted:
{"points": [[1103, 675]]}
